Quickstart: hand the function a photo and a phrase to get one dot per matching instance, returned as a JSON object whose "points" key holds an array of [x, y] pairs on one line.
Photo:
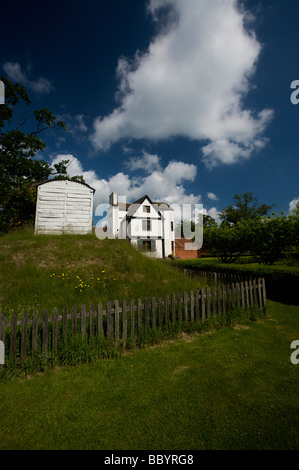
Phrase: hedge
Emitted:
{"points": [[282, 282]]}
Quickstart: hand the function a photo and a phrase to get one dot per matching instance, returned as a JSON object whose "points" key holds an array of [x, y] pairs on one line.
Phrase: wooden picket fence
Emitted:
{"points": [[120, 322]]}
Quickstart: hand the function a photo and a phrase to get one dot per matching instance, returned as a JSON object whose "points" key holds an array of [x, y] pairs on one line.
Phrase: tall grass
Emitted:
{"points": [[78, 349]]}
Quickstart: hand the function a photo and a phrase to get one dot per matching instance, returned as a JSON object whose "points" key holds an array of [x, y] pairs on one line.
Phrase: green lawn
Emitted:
{"points": [[234, 388]]}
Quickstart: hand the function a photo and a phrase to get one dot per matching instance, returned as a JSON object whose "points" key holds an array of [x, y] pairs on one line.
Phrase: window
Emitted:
{"points": [[146, 225], [146, 209], [147, 245], [171, 226]]}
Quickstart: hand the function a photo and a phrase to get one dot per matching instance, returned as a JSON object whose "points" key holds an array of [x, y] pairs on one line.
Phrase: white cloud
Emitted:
{"points": [[190, 82], [14, 72], [293, 204], [147, 162], [163, 184], [212, 196]]}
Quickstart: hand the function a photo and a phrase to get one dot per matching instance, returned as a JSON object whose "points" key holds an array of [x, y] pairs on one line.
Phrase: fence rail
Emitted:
{"points": [[119, 322]]}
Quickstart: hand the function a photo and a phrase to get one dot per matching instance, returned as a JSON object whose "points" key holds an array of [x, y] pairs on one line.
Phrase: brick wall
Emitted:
{"points": [[180, 251]]}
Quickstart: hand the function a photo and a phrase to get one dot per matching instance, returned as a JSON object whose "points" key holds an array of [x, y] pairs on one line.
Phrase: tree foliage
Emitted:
{"points": [[228, 243], [247, 229], [245, 207], [20, 172], [269, 237]]}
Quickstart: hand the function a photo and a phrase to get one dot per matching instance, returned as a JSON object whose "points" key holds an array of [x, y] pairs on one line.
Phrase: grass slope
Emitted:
{"points": [[234, 388], [57, 271]]}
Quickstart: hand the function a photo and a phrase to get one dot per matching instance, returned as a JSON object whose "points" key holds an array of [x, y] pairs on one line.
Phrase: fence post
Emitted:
{"points": [[179, 307], [45, 332], [208, 302], [264, 292], [83, 320], [260, 294], [74, 321], [146, 313], [173, 312], [124, 322], [247, 294], [160, 312], [224, 300], [166, 308], [232, 295], [153, 313], [64, 324], [242, 295], [100, 319], [238, 293], [251, 294], [186, 307], [132, 317], [218, 300], [116, 315], [229, 298], [203, 312], [24, 335], [192, 306], [13, 336], [91, 323], [109, 321], [213, 301], [197, 305], [35, 323], [54, 329], [139, 314], [255, 293]]}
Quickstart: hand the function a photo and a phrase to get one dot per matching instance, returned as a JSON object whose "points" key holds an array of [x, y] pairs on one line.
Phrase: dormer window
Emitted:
{"points": [[147, 209]]}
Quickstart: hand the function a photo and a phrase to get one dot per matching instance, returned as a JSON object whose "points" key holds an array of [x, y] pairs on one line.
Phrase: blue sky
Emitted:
{"points": [[187, 101]]}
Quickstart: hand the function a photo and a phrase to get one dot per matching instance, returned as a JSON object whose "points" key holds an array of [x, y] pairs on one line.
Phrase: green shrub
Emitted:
{"points": [[281, 281]]}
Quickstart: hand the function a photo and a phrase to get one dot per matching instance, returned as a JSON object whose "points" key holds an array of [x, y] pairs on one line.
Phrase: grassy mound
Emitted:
{"points": [[48, 271]]}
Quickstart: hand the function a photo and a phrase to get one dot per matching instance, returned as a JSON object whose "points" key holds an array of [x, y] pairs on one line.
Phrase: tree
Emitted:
{"points": [[268, 237], [20, 172], [227, 242], [246, 207]]}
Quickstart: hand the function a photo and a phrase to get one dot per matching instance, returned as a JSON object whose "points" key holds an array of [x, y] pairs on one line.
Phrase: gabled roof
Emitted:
{"points": [[157, 203], [135, 206], [142, 199], [65, 179]]}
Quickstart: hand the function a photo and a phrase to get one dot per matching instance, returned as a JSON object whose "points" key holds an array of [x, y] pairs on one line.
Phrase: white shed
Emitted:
{"points": [[64, 206]]}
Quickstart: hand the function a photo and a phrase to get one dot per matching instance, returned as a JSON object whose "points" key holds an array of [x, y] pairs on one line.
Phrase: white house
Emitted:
{"points": [[64, 206], [149, 225]]}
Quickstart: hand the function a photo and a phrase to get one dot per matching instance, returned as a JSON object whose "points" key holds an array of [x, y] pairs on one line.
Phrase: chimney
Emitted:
{"points": [[113, 199]]}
